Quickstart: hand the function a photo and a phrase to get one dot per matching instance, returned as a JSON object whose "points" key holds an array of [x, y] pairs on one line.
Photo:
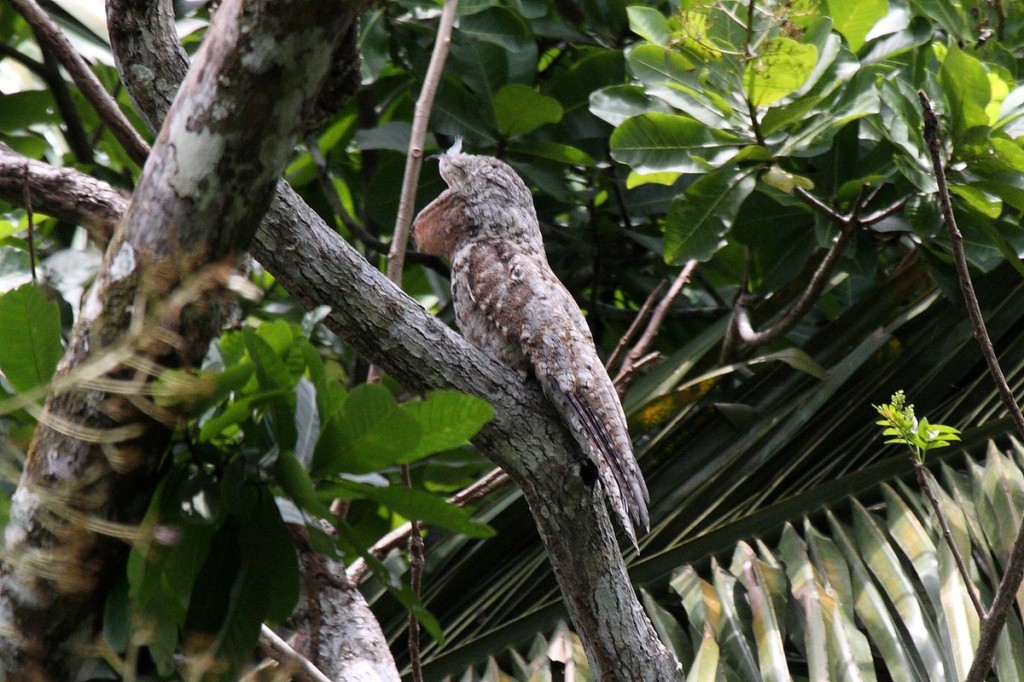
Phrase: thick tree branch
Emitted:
{"points": [[64, 193], [202, 191], [531, 444]]}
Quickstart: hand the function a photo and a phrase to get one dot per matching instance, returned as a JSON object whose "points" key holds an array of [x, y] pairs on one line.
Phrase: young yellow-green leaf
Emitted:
{"points": [[31, 347], [853, 19], [966, 88], [784, 180], [519, 109], [977, 201], [780, 69]]}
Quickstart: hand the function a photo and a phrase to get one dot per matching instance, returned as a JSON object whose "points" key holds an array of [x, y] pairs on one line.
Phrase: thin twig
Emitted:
{"points": [[634, 327], [414, 160], [26, 197], [992, 626], [396, 264], [289, 658], [53, 39], [922, 481], [630, 364], [495, 480], [416, 564]]}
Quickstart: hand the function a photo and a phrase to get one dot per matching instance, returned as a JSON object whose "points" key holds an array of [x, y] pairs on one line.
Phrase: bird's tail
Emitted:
{"points": [[617, 468]]}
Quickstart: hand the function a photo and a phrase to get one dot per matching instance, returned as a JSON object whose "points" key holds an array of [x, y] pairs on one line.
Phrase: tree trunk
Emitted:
{"points": [[205, 186]]}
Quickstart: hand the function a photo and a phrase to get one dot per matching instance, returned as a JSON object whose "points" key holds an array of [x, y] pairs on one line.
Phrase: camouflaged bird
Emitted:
{"points": [[509, 304]]}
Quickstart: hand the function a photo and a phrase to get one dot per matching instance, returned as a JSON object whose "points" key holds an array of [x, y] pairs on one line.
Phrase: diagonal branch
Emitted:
{"points": [[531, 444]]}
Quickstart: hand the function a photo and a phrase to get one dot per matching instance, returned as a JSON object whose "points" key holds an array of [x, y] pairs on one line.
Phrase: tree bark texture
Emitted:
{"points": [[207, 182], [393, 331]]}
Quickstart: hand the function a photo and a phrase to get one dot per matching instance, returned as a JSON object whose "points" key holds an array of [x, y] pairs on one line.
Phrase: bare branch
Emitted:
{"points": [[53, 39], [634, 327], [992, 626], [494, 480], [629, 365], [414, 159], [289, 658]]}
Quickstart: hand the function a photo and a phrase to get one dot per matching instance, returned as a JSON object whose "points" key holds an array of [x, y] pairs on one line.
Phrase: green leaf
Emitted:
{"points": [[415, 504], [656, 142], [519, 109], [269, 560], [978, 201], [649, 24], [854, 18], [782, 66], [369, 433], [653, 64], [555, 151], [447, 419], [966, 89], [617, 103], [697, 222], [295, 482], [31, 347]]}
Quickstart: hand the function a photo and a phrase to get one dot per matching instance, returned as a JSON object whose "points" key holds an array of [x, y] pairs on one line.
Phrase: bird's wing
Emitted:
{"points": [[519, 304]]}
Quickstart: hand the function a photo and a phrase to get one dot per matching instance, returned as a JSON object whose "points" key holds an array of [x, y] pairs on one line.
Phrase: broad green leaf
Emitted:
{"points": [[31, 346], [978, 201], [655, 142], [369, 433], [653, 64], [273, 375], [947, 14], [781, 68], [416, 504], [269, 560], [519, 109], [296, 484], [447, 419], [617, 103], [966, 90], [649, 24], [697, 222], [510, 30], [555, 151], [854, 18]]}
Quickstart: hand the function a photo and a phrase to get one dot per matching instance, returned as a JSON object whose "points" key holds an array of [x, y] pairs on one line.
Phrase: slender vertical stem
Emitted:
{"points": [[1008, 586], [922, 481], [414, 159]]}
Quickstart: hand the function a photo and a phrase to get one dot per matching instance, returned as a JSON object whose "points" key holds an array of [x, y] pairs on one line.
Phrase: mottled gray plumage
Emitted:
{"points": [[509, 303]]}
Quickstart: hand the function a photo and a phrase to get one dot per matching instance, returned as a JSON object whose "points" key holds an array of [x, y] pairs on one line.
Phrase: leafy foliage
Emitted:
{"points": [[903, 427]]}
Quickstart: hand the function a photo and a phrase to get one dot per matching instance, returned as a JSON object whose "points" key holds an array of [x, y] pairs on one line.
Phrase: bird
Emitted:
{"points": [[509, 304]]}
